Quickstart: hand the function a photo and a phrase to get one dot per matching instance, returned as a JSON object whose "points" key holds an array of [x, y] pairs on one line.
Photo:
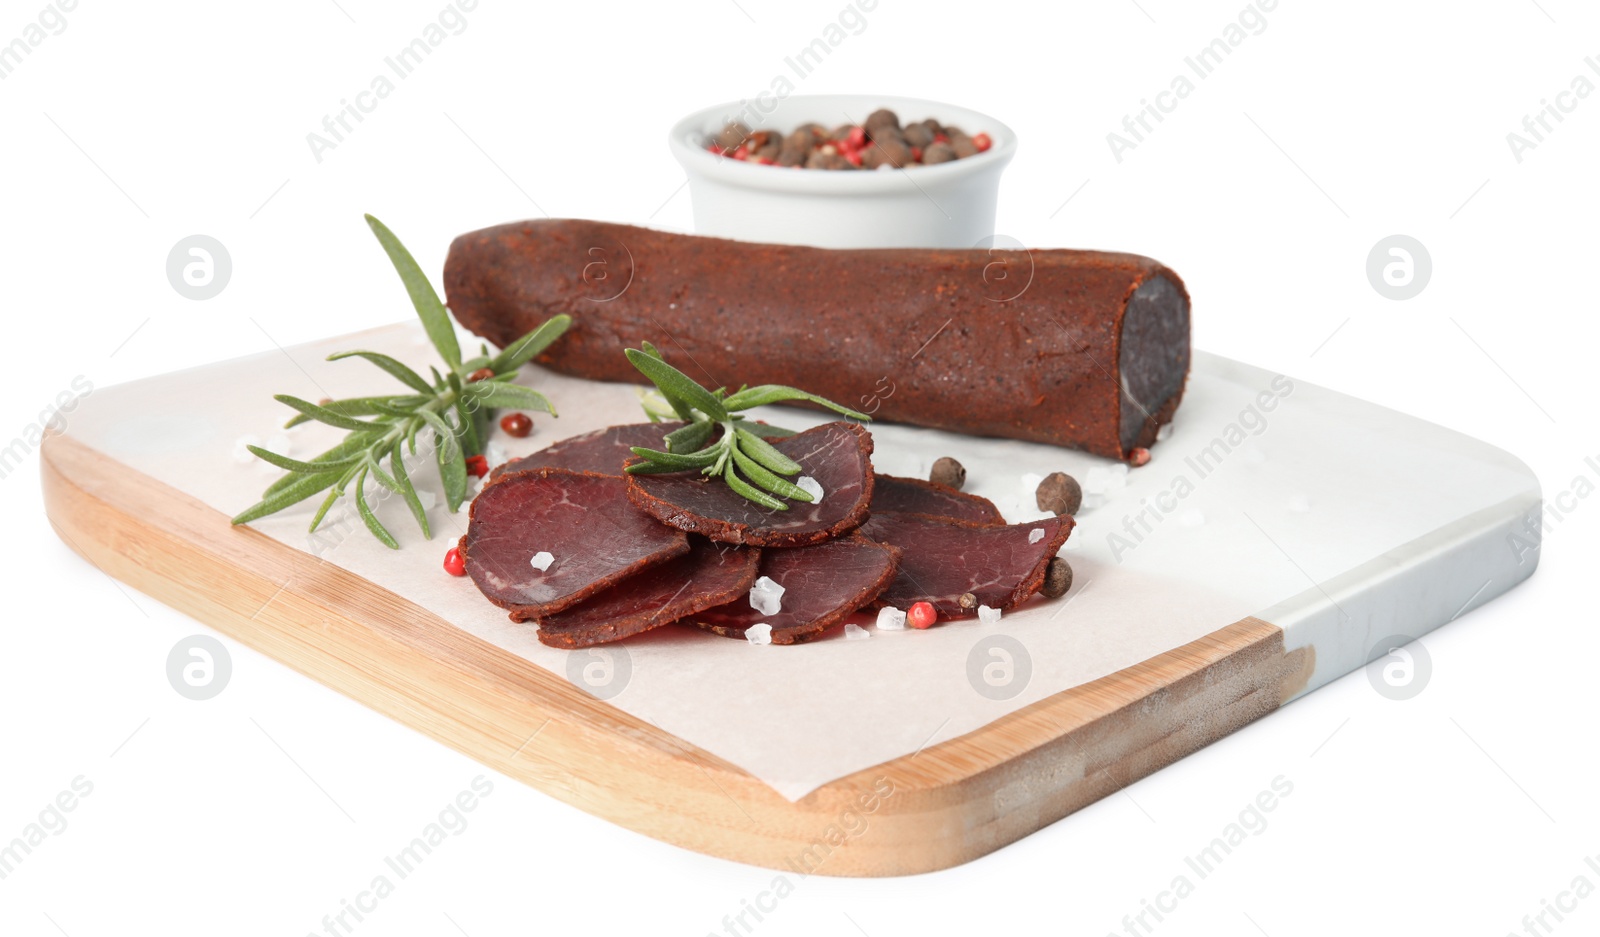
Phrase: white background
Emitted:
{"points": [[257, 812]]}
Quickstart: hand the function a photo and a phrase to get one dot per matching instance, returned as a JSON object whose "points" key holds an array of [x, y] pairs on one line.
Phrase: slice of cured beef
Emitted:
{"points": [[823, 585], [602, 450], [710, 574], [915, 496], [942, 559], [837, 455], [582, 519]]}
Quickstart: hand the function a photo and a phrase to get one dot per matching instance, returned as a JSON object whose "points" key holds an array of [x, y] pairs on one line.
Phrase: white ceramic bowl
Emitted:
{"points": [[945, 205]]}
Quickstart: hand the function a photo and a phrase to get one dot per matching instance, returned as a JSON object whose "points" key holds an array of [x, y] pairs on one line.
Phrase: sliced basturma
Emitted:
{"points": [[602, 450], [594, 535], [710, 574], [837, 455], [915, 496], [822, 586], [942, 559]]}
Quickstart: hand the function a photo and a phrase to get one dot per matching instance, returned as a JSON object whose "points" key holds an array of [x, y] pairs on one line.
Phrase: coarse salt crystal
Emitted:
{"points": [[855, 633], [811, 487], [541, 560], [891, 619], [988, 615], [1164, 432], [1104, 479], [1035, 535], [427, 499], [766, 596], [759, 633], [241, 454]]}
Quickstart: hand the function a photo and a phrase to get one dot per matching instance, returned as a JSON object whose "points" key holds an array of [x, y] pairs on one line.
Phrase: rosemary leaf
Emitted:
{"points": [[397, 464], [779, 486], [383, 478], [529, 346], [352, 445], [763, 394], [471, 442], [689, 437], [303, 487], [397, 370], [316, 519], [435, 319], [762, 451], [509, 396], [745, 490], [650, 468], [677, 387], [371, 519], [681, 461], [452, 464], [322, 414], [764, 430], [298, 467]]}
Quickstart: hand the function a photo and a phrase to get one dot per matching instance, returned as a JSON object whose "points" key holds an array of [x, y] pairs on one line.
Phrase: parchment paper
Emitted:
{"points": [[1240, 508]]}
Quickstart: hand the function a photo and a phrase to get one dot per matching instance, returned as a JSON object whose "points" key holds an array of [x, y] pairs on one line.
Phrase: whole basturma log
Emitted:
{"points": [[1075, 348]]}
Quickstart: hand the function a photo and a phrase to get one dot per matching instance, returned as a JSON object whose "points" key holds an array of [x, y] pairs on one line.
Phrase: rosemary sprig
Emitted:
{"points": [[453, 410], [739, 455]]}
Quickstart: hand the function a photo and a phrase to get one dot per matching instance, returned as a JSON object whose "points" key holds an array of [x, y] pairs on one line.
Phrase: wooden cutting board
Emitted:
{"points": [[943, 804]]}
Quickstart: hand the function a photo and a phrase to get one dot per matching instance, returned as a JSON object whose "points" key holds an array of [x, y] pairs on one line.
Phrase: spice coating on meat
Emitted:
{"points": [[1075, 348]]}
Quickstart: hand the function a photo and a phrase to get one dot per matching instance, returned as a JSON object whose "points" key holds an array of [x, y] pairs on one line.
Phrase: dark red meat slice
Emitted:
{"points": [[941, 559], [823, 585], [710, 574], [582, 519], [915, 496], [603, 450], [837, 455]]}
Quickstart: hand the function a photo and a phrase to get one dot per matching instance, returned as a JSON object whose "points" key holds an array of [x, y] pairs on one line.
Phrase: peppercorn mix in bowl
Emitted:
{"points": [[844, 171]]}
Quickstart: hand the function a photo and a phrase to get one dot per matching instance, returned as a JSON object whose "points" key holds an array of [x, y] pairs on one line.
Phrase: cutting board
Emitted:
{"points": [[1266, 550]]}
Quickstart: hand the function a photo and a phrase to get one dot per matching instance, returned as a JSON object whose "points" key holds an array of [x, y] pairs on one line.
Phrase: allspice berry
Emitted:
{"points": [[918, 135], [948, 472], [886, 152], [732, 135], [1059, 494], [881, 122], [1057, 578]]}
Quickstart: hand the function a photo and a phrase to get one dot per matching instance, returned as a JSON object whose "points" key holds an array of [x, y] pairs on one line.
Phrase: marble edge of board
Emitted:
{"points": [[1456, 568]]}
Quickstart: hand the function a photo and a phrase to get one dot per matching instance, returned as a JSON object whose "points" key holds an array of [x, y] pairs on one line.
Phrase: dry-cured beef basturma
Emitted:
{"points": [[823, 585], [602, 450], [710, 574], [942, 559], [837, 455], [1074, 348], [594, 535], [891, 493]]}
